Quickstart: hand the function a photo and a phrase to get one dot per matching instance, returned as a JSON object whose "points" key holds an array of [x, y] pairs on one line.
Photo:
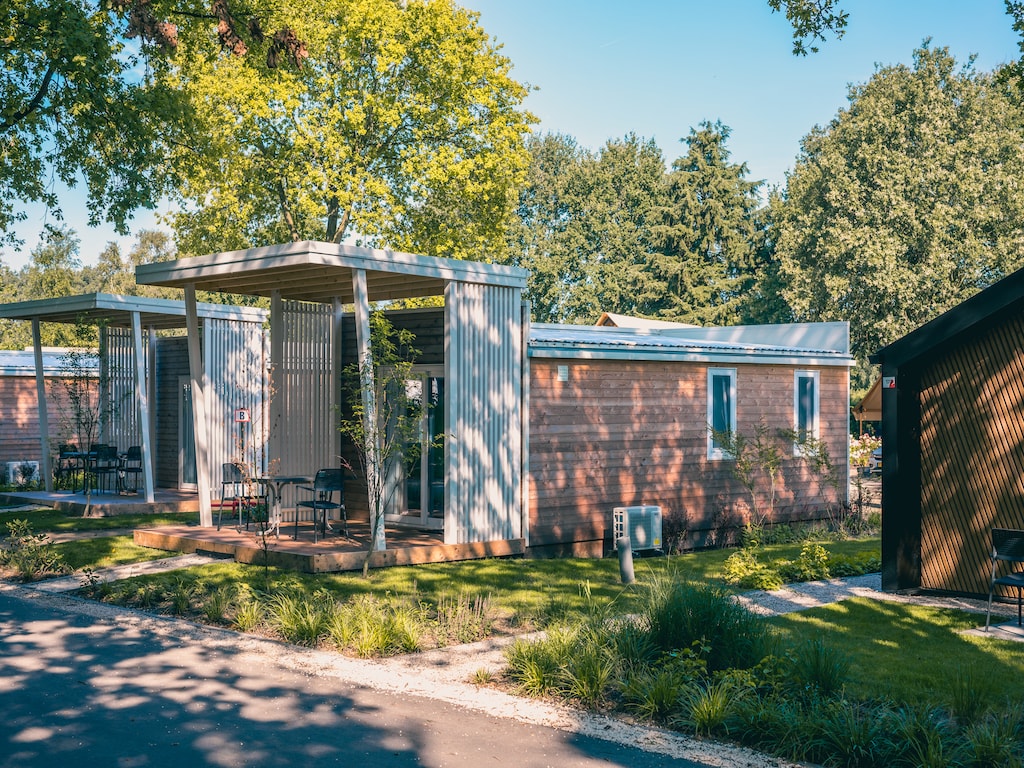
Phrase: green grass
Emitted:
{"points": [[522, 591], [55, 521], [908, 653], [106, 552]]}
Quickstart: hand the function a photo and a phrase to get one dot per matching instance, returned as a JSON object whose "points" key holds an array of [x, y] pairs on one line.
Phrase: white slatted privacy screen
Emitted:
{"points": [[483, 372], [308, 435], [119, 413], [235, 363]]}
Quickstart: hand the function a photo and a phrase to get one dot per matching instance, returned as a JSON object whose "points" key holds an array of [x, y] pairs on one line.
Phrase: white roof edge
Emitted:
{"points": [[87, 302], [832, 336], [735, 357], [316, 252]]}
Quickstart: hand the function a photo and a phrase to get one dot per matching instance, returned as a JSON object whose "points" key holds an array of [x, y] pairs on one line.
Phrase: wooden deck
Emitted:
{"points": [[335, 553], [405, 546]]}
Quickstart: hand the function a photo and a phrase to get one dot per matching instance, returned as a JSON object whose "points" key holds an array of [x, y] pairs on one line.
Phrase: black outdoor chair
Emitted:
{"points": [[131, 468], [69, 464], [326, 483], [1007, 546], [239, 493], [103, 466]]}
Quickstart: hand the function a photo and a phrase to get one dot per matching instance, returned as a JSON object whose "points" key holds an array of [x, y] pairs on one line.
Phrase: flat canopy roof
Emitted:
{"points": [[113, 310], [320, 272]]}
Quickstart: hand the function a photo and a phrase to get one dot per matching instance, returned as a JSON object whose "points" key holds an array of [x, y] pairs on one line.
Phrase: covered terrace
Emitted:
{"points": [[308, 285]]}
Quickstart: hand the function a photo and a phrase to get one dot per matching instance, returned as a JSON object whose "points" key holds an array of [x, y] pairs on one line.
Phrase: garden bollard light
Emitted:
{"points": [[625, 549]]}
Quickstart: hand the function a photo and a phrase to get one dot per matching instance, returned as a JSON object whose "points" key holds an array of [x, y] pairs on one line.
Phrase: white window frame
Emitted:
{"points": [[815, 426], [715, 452]]}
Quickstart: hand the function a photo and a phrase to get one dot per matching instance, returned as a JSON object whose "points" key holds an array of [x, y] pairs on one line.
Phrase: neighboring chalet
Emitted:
{"points": [[619, 416], [144, 380], [953, 442], [546, 428]]}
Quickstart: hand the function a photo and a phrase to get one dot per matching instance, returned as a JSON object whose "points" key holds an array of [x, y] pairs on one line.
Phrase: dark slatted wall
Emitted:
{"points": [[972, 456]]}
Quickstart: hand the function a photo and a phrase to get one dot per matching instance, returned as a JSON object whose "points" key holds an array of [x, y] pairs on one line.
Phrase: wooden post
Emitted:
{"points": [[44, 417], [142, 401], [372, 448], [200, 430]]}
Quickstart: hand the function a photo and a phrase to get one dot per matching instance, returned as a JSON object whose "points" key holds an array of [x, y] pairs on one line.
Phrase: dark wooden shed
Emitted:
{"points": [[953, 442]]}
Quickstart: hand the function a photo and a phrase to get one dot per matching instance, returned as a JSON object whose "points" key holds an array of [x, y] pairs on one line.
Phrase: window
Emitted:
{"points": [[805, 406], [721, 410]]}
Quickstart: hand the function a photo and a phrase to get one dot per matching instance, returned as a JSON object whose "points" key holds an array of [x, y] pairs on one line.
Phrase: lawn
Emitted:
{"points": [[54, 521], [911, 654]]}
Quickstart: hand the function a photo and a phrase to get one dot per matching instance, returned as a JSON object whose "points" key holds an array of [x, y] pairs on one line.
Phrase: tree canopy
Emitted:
{"points": [[80, 96], [582, 225], [403, 127], [908, 202], [707, 233]]}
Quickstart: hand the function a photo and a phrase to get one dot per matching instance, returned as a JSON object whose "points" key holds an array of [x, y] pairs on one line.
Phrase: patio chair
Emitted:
{"points": [[240, 493], [103, 465], [1007, 546], [131, 467], [326, 483], [65, 473]]}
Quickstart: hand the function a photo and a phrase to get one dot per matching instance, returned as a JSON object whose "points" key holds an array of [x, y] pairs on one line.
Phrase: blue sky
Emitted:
{"points": [[657, 68]]}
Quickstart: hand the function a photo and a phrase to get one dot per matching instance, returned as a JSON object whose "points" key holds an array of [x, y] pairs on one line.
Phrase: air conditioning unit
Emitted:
{"points": [[641, 524], [22, 472]]}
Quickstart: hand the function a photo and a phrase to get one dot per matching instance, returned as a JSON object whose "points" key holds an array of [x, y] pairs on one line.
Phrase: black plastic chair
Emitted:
{"points": [[131, 467], [69, 464], [326, 483], [1007, 546], [103, 466]]}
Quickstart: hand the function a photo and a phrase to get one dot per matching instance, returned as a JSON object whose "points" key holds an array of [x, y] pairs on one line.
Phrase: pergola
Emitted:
{"points": [[108, 311], [484, 356]]}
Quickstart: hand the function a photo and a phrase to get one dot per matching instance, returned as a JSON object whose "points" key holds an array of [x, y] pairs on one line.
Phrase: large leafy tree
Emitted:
{"points": [[707, 235], [403, 128], [81, 100], [583, 226], [908, 202]]}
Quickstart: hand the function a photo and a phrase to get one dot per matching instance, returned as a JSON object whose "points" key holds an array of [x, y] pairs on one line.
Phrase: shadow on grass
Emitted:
{"points": [[916, 650]]}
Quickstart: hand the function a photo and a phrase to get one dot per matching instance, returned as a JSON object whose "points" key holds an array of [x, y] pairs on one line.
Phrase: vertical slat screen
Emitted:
{"points": [[972, 456], [309, 436], [236, 372], [120, 411], [483, 459]]}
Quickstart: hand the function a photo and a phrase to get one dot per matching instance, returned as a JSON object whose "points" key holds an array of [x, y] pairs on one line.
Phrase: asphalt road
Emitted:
{"points": [[117, 689]]}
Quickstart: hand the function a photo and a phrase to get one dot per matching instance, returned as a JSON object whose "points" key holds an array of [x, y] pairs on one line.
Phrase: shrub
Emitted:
{"points": [[996, 740], [29, 554], [216, 603], [462, 620], [969, 693], [653, 693], [855, 735], [372, 627], [926, 739], [677, 614], [810, 566], [743, 569]]}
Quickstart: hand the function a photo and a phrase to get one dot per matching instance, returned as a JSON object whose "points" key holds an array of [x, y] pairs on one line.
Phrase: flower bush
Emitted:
{"points": [[861, 449]]}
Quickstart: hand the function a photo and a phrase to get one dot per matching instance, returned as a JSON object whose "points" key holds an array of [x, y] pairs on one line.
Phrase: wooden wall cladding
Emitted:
{"points": [[626, 433], [19, 418], [972, 456]]}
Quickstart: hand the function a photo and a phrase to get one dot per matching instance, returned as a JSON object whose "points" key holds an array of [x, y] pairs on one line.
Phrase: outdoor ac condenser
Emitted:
{"points": [[641, 524]]}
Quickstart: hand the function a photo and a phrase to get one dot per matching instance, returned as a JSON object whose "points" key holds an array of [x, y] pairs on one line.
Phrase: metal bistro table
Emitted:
{"points": [[276, 483]]}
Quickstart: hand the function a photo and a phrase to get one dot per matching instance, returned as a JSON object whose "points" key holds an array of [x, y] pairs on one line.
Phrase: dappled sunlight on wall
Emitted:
{"points": [[972, 457]]}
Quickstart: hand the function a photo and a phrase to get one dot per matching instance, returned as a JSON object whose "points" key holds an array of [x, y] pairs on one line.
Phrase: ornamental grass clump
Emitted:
{"points": [[372, 627], [300, 619], [678, 613], [815, 668]]}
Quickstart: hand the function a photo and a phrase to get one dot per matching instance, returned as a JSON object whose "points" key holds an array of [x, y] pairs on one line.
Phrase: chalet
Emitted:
{"points": [[546, 428], [953, 442]]}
